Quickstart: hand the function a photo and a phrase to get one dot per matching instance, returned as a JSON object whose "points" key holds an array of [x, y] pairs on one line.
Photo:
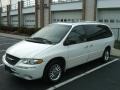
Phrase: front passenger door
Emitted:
{"points": [[77, 48]]}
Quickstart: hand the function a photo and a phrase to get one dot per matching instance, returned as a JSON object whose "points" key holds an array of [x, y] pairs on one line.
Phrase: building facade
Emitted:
{"points": [[47, 11]]}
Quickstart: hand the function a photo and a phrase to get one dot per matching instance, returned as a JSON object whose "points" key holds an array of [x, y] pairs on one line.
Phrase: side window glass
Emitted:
{"points": [[102, 32], [90, 32], [77, 35], [95, 32], [107, 32]]}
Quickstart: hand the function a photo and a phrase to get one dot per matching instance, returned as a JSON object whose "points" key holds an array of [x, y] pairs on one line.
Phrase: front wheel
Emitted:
{"points": [[53, 72], [106, 55]]}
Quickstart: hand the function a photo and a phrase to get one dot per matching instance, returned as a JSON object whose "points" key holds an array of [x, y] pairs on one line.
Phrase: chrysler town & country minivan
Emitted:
{"points": [[57, 48]]}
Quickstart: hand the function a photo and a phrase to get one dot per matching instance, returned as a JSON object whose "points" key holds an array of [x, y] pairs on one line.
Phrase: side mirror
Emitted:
{"points": [[69, 42]]}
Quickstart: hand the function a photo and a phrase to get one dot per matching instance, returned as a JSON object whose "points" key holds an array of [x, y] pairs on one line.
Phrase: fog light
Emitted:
{"points": [[22, 67], [28, 77]]}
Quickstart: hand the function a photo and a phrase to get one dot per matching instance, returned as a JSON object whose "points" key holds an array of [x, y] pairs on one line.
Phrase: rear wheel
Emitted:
{"points": [[106, 55], [53, 72]]}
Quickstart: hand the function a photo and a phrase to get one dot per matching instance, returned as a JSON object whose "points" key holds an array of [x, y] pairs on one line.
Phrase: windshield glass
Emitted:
{"points": [[51, 34]]}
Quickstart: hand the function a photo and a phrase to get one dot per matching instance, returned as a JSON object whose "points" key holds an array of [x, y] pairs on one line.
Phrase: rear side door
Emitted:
{"points": [[93, 45], [77, 48], [96, 41]]}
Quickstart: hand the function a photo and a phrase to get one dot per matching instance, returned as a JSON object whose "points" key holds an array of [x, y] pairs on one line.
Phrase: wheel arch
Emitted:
{"points": [[108, 47], [57, 59]]}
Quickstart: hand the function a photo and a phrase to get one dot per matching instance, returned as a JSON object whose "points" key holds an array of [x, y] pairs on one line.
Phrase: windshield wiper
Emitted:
{"points": [[39, 40]]}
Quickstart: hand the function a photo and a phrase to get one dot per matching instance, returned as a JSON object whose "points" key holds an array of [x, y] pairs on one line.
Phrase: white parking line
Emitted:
{"points": [[81, 75]]}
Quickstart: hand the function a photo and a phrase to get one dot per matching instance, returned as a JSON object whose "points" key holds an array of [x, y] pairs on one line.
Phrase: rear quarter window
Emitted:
{"points": [[95, 32]]}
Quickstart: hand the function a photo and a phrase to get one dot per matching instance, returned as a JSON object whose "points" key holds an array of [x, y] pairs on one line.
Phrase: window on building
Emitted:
{"points": [[61, 20], [58, 20], [117, 21], [112, 21], [54, 20], [65, 20], [73, 20], [106, 20], [101, 20], [69, 20]]}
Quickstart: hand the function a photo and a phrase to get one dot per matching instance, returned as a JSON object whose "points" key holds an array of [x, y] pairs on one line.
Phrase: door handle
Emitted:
{"points": [[86, 46], [91, 45]]}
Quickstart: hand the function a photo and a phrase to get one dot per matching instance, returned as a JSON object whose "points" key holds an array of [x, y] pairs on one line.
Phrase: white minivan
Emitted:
{"points": [[58, 47]]}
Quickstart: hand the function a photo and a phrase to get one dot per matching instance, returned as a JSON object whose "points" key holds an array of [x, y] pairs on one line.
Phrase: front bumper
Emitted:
{"points": [[27, 72]]}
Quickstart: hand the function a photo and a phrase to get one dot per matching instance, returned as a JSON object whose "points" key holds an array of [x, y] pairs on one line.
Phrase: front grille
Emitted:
{"points": [[11, 59]]}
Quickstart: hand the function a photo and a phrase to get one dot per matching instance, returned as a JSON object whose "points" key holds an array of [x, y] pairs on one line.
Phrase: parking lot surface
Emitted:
{"points": [[106, 78]]}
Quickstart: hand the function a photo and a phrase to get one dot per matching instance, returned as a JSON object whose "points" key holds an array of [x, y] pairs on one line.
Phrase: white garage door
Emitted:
{"points": [[66, 16], [112, 18], [14, 21], [29, 20], [4, 21]]}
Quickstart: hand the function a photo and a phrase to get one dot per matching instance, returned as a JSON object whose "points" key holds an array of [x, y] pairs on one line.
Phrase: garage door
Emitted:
{"points": [[112, 18], [66, 16]]}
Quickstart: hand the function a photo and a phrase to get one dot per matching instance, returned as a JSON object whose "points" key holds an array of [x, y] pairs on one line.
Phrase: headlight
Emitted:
{"points": [[31, 61]]}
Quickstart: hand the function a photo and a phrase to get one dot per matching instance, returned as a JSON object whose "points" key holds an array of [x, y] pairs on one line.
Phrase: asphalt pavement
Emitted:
{"points": [[105, 77], [5, 43]]}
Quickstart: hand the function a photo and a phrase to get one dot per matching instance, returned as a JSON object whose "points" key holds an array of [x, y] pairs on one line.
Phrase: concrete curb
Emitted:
{"points": [[115, 52], [13, 36]]}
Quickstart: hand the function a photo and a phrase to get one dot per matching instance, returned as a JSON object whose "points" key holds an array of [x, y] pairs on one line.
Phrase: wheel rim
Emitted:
{"points": [[107, 55], [55, 72]]}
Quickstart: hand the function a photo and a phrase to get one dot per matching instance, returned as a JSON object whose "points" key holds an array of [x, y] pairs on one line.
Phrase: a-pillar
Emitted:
{"points": [[42, 12], [89, 10], [20, 14], [8, 15]]}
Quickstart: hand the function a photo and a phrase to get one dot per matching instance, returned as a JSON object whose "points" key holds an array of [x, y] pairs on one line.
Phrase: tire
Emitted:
{"points": [[106, 55], [53, 72]]}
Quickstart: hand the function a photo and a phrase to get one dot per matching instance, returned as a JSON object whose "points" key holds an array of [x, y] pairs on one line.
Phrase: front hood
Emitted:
{"points": [[25, 49]]}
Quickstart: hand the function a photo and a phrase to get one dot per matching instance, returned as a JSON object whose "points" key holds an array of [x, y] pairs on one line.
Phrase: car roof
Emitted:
{"points": [[81, 23]]}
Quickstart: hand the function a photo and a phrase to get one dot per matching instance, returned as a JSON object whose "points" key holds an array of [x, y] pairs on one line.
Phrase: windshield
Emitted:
{"points": [[51, 34]]}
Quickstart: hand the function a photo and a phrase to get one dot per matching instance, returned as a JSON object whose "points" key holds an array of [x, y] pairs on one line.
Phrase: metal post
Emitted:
{"points": [[41, 13], [0, 16], [36, 13], [0, 3], [20, 14], [0, 11], [118, 34], [50, 14], [8, 15], [10, 4]]}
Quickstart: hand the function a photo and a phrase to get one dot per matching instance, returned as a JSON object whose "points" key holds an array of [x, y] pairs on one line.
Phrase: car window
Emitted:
{"points": [[77, 35], [90, 32], [95, 32], [105, 31]]}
